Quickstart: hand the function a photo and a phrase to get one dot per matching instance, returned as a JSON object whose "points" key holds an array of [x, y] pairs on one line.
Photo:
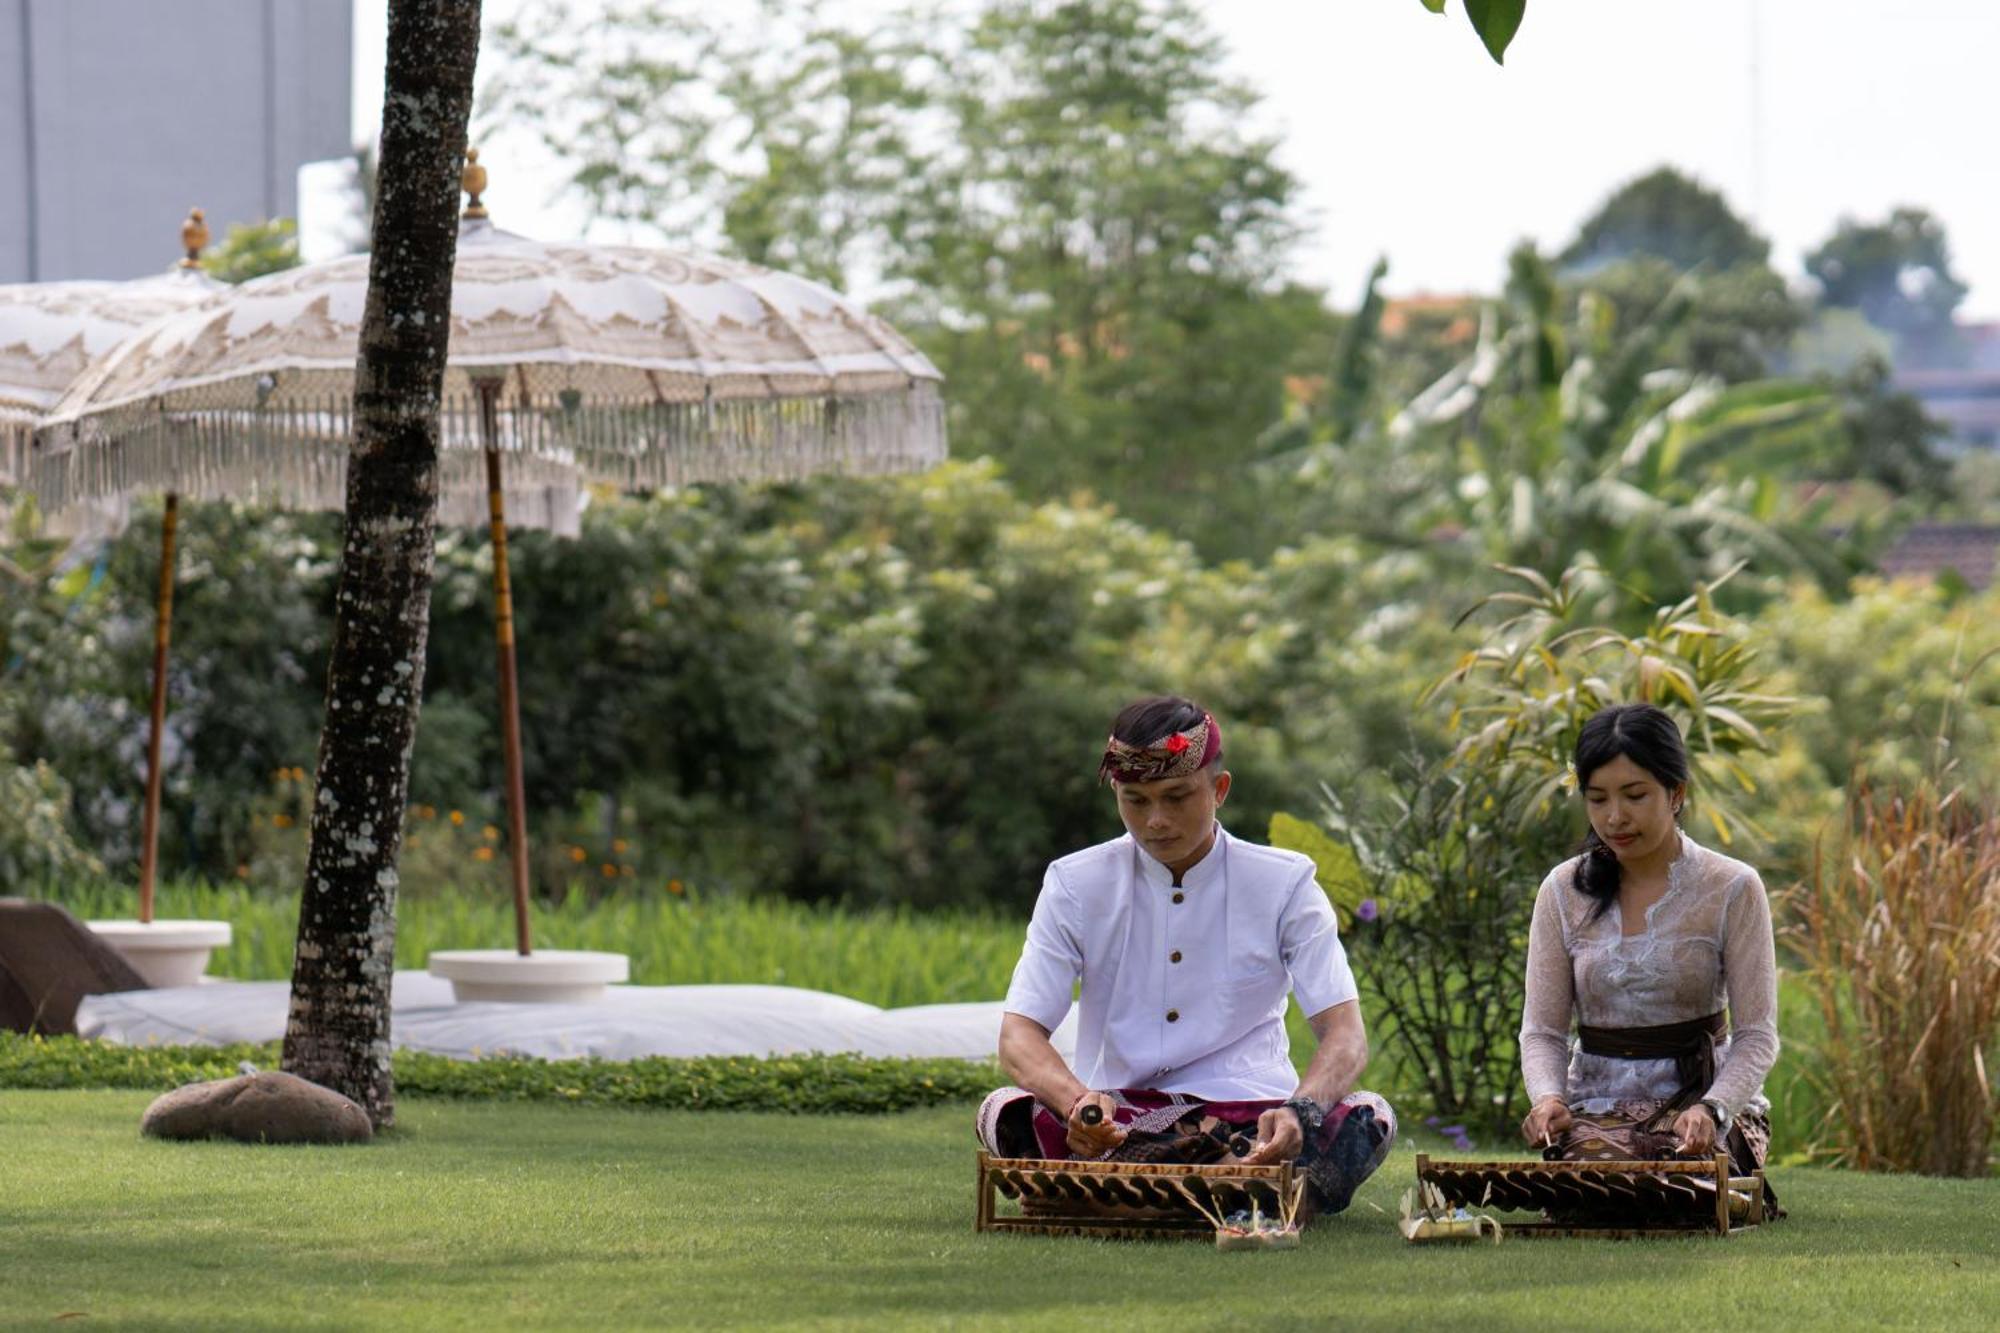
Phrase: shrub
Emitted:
{"points": [[36, 846], [799, 1084], [1442, 937], [1898, 927]]}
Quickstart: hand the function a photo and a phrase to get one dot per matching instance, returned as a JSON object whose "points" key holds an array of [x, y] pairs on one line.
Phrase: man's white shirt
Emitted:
{"points": [[1183, 987]]}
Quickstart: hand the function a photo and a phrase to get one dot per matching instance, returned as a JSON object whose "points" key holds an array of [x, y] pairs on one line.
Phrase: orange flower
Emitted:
{"points": [[482, 853], [427, 812], [458, 817], [608, 870], [242, 872], [281, 821], [490, 833], [619, 845], [627, 871], [578, 855], [674, 886]]}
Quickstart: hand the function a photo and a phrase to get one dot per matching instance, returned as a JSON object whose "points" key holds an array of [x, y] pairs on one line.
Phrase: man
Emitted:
{"points": [[1186, 942]]}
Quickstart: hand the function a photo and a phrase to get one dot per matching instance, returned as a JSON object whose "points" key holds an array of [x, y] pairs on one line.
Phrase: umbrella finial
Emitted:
{"points": [[194, 238], [473, 181]]}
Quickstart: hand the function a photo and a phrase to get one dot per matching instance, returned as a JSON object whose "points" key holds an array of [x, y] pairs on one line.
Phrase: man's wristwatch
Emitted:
{"points": [[1311, 1117], [1719, 1111]]}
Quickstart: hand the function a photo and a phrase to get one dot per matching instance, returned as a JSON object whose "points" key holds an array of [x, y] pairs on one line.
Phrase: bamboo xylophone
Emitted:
{"points": [[1614, 1199], [1129, 1200]]}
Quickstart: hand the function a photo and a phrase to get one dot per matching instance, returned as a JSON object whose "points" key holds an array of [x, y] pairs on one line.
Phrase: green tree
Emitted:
{"points": [[1898, 274], [1739, 325], [1669, 216], [1060, 201], [1569, 429], [251, 250]]}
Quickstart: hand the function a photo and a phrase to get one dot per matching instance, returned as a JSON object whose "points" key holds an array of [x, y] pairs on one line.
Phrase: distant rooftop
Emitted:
{"points": [[1926, 550]]}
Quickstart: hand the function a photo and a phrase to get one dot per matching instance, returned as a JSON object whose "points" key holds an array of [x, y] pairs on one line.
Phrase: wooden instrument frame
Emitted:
{"points": [[1123, 1200], [1447, 1176]]}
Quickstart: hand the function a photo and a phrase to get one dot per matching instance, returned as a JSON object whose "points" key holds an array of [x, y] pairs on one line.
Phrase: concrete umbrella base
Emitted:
{"points": [[546, 976], [165, 953]]}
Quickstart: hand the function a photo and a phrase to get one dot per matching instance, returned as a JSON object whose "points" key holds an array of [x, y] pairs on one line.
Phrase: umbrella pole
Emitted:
{"points": [[149, 835], [503, 632]]}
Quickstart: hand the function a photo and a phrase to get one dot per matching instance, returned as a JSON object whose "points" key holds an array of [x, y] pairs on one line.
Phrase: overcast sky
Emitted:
{"points": [[1412, 143]]}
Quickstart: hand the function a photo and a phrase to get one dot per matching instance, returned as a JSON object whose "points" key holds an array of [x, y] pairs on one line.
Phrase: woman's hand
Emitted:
{"points": [[1089, 1135], [1695, 1128], [1548, 1118]]}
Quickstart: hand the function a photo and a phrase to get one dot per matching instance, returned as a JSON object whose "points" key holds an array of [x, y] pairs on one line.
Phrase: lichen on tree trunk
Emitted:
{"points": [[338, 1030]]}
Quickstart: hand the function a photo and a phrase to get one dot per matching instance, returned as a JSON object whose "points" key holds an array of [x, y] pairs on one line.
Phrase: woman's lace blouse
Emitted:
{"points": [[1707, 945]]}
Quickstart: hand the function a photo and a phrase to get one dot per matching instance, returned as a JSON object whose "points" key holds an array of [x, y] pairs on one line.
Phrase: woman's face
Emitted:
{"points": [[1631, 810]]}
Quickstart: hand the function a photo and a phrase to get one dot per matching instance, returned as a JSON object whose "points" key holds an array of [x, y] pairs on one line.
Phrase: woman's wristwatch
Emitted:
{"points": [[1719, 1111]]}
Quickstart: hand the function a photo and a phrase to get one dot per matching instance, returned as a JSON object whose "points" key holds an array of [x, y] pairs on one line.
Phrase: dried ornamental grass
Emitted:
{"points": [[1898, 928]]}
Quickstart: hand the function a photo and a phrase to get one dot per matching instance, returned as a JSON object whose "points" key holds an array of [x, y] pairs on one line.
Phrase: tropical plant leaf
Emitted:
{"points": [[1336, 868]]}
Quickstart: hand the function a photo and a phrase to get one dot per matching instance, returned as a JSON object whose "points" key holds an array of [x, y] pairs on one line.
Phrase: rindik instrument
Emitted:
{"points": [[1606, 1199]]}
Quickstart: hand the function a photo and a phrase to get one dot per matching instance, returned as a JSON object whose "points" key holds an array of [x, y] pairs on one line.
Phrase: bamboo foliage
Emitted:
{"points": [[1898, 930], [1520, 698]]}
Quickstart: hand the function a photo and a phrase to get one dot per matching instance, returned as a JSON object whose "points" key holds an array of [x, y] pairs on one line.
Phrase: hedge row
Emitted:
{"points": [[799, 1084]]}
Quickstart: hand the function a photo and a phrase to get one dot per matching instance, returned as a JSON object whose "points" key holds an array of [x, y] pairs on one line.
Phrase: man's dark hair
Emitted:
{"points": [[1150, 720]]}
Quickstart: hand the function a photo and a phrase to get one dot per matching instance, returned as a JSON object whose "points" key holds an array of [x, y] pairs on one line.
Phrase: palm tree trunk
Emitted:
{"points": [[338, 1032]]}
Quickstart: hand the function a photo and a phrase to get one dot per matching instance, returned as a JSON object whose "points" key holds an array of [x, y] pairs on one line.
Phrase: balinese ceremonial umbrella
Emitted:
{"points": [[71, 332], [50, 332], [642, 367]]}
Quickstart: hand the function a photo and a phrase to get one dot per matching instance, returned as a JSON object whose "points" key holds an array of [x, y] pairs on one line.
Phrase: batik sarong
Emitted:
{"points": [[1171, 1127]]}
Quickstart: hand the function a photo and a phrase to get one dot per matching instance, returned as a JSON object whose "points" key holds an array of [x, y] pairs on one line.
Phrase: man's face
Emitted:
{"points": [[1171, 818]]}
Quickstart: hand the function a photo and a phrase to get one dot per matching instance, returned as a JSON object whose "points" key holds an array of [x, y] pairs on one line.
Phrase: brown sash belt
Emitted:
{"points": [[1690, 1045]]}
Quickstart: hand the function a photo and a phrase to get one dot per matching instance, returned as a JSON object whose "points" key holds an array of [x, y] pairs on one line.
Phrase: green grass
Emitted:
{"points": [[885, 958], [489, 1216]]}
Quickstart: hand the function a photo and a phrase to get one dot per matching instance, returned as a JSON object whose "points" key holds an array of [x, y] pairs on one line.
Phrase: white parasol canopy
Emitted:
{"points": [[644, 367], [51, 332]]}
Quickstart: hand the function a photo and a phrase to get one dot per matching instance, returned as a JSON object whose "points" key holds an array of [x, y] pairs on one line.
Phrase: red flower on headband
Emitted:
{"points": [[1176, 743]]}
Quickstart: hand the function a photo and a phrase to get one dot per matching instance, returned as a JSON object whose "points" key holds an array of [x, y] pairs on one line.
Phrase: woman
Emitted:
{"points": [[1646, 938]]}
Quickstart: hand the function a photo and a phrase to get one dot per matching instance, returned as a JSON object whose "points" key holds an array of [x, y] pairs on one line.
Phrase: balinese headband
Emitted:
{"points": [[1172, 756]]}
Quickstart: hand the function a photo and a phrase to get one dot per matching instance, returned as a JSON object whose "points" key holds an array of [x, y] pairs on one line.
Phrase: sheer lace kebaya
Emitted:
{"points": [[1706, 946]]}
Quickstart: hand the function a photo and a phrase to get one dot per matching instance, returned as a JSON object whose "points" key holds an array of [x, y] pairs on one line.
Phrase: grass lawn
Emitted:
{"points": [[491, 1216]]}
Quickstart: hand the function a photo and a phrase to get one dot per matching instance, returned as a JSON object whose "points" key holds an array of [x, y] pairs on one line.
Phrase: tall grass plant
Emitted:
{"points": [[1898, 930]]}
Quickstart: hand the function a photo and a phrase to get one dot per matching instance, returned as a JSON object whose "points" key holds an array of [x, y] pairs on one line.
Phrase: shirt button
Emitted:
{"points": [[1174, 957], [1173, 1015], [1178, 897]]}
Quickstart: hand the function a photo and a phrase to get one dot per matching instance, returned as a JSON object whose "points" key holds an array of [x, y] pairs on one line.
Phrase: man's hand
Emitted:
{"points": [[1280, 1138], [1695, 1128], [1549, 1118], [1088, 1136]]}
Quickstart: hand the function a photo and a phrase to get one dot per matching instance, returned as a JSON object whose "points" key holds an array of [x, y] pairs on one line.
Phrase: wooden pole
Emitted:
{"points": [[503, 632], [149, 830]]}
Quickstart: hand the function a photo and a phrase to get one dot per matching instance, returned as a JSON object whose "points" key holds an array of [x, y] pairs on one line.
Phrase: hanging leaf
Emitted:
{"points": [[1496, 21]]}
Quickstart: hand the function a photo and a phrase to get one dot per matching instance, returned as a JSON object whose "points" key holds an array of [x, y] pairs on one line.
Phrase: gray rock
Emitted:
{"points": [[257, 1108]]}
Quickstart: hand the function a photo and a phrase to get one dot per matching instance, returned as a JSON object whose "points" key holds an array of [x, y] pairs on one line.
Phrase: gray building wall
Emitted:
{"points": [[117, 116]]}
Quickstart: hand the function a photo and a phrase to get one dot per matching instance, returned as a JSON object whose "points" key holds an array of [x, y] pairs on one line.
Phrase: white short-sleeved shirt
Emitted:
{"points": [[1183, 988]]}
